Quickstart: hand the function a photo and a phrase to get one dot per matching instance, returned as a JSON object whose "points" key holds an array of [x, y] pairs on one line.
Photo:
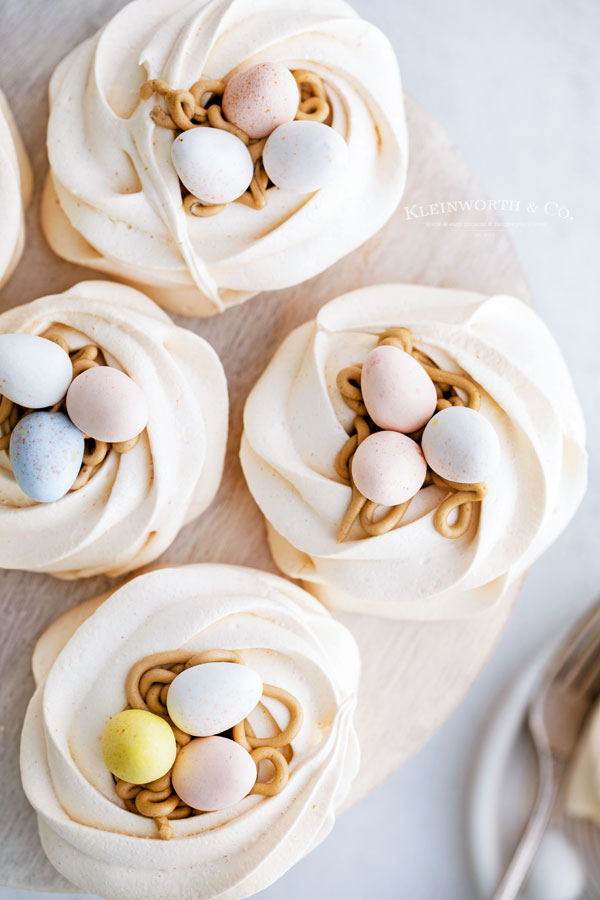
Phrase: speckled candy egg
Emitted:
{"points": [[214, 165], [210, 698], [304, 156], [46, 452], [461, 445], [397, 391], [107, 405], [34, 372], [388, 468], [138, 746], [213, 773], [259, 99]]}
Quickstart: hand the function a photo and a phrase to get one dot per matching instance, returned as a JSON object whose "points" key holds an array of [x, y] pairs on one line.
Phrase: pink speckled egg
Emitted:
{"points": [[107, 405], [397, 391], [388, 468], [259, 99], [212, 773]]}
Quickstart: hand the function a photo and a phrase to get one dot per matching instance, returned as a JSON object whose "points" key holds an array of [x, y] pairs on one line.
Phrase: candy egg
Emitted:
{"points": [[138, 746], [461, 445], [388, 468], [259, 99], [304, 156], [213, 773], [214, 165], [46, 452], [397, 391], [210, 698], [107, 405], [34, 372]]}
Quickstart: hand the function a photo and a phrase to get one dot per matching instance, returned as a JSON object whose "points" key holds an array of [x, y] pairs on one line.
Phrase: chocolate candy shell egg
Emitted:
{"points": [[34, 372], [259, 99], [388, 468], [304, 156], [107, 405], [138, 746], [46, 452], [213, 773], [210, 698], [461, 445], [214, 165], [396, 389]]}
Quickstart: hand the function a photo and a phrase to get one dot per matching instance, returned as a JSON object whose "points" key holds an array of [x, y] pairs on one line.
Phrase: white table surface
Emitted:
{"points": [[515, 85]]}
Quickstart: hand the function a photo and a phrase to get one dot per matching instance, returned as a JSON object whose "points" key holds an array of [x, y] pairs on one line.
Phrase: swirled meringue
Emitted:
{"points": [[113, 200], [296, 421], [582, 795], [16, 185], [288, 638], [135, 503]]}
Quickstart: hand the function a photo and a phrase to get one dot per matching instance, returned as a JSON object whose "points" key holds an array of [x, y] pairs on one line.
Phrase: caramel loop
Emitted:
{"points": [[57, 338], [397, 337], [82, 365], [216, 120], [156, 803], [181, 106], [6, 407], [210, 656], [203, 86], [348, 384], [195, 207], [126, 791], [386, 523], [85, 473], [256, 195], [162, 118], [126, 446], [460, 381], [281, 777], [97, 455]]}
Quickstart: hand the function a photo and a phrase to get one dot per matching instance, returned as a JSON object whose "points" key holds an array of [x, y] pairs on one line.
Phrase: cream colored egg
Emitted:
{"points": [[304, 156], [214, 165], [397, 391], [107, 405], [138, 746], [557, 872], [210, 698], [461, 445], [388, 468], [213, 773], [259, 99], [34, 372]]}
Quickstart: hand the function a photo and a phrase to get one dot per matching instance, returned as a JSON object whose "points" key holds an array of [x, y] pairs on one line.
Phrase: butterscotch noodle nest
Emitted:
{"points": [[460, 497], [200, 107], [147, 686], [95, 451]]}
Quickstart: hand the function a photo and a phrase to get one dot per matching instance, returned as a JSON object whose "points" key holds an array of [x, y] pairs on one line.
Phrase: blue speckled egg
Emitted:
{"points": [[46, 452]]}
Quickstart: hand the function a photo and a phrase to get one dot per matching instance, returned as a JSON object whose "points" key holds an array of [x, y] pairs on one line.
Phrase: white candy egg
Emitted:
{"points": [[210, 698], [34, 372], [557, 872], [304, 156], [461, 445], [214, 165]]}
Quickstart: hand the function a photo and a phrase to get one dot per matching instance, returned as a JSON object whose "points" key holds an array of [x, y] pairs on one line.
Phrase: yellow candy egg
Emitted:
{"points": [[138, 746]]}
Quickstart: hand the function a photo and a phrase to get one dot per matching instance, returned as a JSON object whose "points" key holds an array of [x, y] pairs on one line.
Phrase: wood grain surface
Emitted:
{"points": [[413, 675]]}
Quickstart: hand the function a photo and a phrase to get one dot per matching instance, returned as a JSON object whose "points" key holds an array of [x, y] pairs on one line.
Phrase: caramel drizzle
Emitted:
{"points": [[147, 686], [186, 110], [461, 496], [95, 451]]}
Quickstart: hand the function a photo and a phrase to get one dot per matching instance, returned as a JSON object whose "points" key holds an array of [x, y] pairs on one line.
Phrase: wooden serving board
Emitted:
{"points": [[420, 672]]}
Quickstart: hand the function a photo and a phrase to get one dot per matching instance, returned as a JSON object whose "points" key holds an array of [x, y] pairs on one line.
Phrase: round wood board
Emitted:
{"points": [[413, 675]]}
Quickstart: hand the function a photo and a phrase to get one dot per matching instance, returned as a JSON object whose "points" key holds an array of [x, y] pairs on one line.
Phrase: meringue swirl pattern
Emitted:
{"points": [[113, 199], [296, 421], [16, 185], [134, 505], [282, 633]]}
